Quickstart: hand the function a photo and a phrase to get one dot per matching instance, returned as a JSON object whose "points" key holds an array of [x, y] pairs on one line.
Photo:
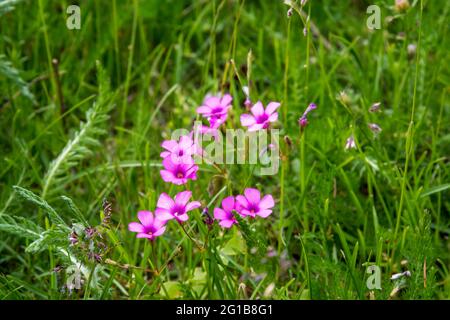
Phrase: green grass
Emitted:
{"points": [[136, 70]]}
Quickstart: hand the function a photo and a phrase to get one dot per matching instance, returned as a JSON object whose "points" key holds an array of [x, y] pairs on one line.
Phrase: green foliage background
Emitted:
{"points": [[88, 126]]}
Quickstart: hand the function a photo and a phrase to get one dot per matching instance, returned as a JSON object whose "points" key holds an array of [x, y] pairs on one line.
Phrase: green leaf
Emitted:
{"points": [[52, 214], [234, 246], [435, 189], [11, 73], [79, 147], [74, 209], [172, 289], [20, 226]]}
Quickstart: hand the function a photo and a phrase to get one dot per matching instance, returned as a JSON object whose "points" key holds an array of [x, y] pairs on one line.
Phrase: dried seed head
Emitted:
{"points": [[401, 5], [57, 269], [344, 97], [288, 141]]}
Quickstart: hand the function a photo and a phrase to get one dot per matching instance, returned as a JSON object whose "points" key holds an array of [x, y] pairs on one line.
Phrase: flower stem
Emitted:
{"points": [[190, 238]]}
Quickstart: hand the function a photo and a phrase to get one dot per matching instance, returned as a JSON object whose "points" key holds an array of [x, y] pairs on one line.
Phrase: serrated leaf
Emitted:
{"points": [[52, 214], [79, 147], [11, 73]]}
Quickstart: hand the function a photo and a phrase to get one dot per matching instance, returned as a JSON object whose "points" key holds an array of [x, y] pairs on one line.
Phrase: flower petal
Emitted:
{"points": [[159, 232], [226, 100], [242, 201], [146, 218], [227, 223], [182, 217], [185, 142], [219, 214], [183, 197], [273, 117], [256, 127], [165, 154], [253, 195], [169, 145], [228, 204], [163, 215], [271, 107], [158, 222], [135, 227], [212, 102], [169, 164], [257, 109], [264, 213], [247, 120], [192, 205], [165, 201], [204, 110], [266, 202], [144, 235], [246, 213], [167, 176]]}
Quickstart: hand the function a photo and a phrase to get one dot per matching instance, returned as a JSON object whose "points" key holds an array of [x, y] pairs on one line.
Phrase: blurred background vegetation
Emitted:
{"points": [[337, 211]]}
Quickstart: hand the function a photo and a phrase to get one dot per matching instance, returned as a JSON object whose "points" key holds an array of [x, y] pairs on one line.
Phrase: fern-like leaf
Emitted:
{"points": [[8, 5], [20, 226], [55, 218], [79, 147], [11, 73]]}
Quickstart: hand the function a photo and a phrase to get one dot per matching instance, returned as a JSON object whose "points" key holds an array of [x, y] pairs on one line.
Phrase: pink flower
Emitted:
{"points": [[260, 118], [179, 172], [376, 129], [179, 151], [225, 215], [168, 209], [350, 144], [252, 205], [303, 121], [215, 109], [150, 227]]}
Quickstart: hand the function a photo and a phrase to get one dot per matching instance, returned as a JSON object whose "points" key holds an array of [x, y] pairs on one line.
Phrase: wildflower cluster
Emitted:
{"points": [[89, 241], [179, 167]]}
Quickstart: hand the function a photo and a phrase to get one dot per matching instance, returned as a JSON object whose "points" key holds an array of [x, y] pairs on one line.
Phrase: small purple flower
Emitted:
{"points": [[215, 109], [179, 173], [290, 12], [90, 232], [150, 226], [260, 117], [179, 151], [73, 238], [225, 214], [248, 103], [251, 204], [374, 128], [168, 208], [207, 217], [350, 144], [375, 107], [303, 121]]}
